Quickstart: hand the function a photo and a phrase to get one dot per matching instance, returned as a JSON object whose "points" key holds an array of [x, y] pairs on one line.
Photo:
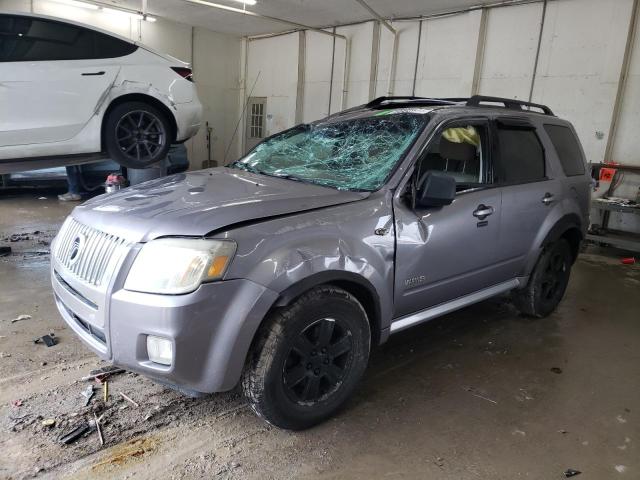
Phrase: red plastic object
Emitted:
{"points": [[628, 261]]}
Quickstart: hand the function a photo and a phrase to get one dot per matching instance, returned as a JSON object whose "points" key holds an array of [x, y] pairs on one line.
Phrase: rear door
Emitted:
{"points": [[52, 77], [529, 190], [447, 252], [256, 130]]}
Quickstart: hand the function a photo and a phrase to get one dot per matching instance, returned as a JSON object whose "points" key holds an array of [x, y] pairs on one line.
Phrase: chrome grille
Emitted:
{"points": [[87, 252]]}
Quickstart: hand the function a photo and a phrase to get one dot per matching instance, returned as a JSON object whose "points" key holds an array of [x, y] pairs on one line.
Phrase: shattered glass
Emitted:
{"points": [[355, 154]]}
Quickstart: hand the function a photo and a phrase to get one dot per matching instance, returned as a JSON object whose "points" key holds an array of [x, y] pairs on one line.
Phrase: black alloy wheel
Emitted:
{"points": [[318, 361]]}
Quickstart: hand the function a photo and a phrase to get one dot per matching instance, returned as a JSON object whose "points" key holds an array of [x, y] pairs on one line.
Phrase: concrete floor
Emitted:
{"points": [[481, 393]]}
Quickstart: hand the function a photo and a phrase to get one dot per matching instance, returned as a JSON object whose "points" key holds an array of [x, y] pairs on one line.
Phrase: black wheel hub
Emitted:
{"points": [[318, 361], [140, 135]]}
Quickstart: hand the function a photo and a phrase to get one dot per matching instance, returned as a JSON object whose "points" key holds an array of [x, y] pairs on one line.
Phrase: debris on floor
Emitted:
{"points": [[628, 261], [100, 374], [557, 370], [129, 399], [4, 251], [75, 434], [87, 393], [20, 318], [49, 340], [570, 472], [48, 422], [473, 392]]}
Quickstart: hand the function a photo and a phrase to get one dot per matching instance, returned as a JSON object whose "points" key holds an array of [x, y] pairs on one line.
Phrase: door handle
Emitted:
{"points": [[92, 74], [548, 199], [483, 212]]}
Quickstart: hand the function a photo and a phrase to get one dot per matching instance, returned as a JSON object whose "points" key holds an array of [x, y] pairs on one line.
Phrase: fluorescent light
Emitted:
{"points": [[149, 18], [246, 2], [76, 3], [115, 11]]}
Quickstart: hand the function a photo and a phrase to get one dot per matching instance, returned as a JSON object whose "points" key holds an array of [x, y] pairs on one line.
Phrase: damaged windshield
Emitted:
{"points": [[357, 154]]}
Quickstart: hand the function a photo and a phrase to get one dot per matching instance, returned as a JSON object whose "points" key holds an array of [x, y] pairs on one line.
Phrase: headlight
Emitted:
{"points": [[178, 265]]}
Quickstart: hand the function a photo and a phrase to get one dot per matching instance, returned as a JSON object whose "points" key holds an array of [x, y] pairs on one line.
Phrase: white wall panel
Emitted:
{"points": [[406, 58], [276, 60], [15, 5], [338, 75], [317, 76], [216, 60], [510, 50], [627, 142], [447, 55], [360, 65], [579, 66], [167, 37]]}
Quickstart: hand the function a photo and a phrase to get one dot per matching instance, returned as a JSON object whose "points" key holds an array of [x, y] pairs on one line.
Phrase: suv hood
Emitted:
{"points": [[197, 203]]}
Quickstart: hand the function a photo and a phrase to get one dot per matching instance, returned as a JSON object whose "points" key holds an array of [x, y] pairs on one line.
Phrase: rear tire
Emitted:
{"points": [[548, 281], [136, 134], [308, 359]]}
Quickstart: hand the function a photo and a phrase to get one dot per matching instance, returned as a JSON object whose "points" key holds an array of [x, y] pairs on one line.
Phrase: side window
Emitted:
{"points": [[521, 156], [567, 148], [26, 39], [461, 151]]}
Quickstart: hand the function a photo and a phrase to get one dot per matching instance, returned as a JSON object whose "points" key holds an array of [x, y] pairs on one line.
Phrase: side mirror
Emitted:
{"points": [[435, 189]]}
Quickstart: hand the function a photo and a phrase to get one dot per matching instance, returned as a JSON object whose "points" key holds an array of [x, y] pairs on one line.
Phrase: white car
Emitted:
{"points": [[71, 92]]}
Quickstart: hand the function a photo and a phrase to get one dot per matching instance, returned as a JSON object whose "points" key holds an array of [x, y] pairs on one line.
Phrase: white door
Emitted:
{"points": [[256, 124], [50, 79]]}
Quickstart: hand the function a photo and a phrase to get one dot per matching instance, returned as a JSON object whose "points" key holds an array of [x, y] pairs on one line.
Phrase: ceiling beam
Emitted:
{"points": [[241, 11], [377, 16]]}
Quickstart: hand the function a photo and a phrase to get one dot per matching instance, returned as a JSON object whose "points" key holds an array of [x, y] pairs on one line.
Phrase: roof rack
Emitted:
{"points": [[377, 102], [474, 101], [508, 103]]}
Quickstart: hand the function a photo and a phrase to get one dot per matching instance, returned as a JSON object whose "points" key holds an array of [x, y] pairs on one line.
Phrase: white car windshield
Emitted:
{"points": [[356, 154]]}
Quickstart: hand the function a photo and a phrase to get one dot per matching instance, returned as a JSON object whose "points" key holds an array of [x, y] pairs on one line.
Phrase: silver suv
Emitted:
{"points": [[281, 270]]}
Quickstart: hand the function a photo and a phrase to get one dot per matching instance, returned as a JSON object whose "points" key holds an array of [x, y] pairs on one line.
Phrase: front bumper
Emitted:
{"points": [[211, 329]]}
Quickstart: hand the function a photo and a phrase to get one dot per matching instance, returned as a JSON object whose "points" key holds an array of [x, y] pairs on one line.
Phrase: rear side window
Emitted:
{"points": [[521, 156], [26, 39], [567, 148]]}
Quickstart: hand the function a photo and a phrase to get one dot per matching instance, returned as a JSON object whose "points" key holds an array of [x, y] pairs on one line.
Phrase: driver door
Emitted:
{"points": [[447, 252]]}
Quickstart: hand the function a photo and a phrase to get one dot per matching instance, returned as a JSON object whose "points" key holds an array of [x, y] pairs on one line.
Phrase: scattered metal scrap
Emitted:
{"points": [[19, 318]]}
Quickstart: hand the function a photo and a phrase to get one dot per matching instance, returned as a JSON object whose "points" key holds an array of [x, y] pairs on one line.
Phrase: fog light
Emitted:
{"points": [[159, 350]]}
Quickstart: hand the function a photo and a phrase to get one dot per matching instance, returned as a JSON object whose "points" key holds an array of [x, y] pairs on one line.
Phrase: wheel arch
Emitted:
{"points": [[139, 97], [568, 227], [355, 284]]}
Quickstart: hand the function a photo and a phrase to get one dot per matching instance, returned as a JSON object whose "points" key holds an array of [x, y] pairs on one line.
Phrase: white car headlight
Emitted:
{"points": [[179, 265]]}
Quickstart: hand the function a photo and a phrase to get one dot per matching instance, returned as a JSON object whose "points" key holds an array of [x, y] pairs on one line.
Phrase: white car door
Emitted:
{"points": [[50, 79]]}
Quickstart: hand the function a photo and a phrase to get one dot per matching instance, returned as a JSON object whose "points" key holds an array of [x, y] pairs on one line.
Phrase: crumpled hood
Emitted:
{"points": [[196, 203]]}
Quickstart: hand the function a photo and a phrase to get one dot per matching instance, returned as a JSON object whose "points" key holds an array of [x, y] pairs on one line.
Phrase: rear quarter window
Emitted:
{"points": [[521, 158], [567, 148]]}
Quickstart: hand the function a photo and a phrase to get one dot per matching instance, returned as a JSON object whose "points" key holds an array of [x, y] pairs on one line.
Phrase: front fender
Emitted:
{"points": [[291, 254]]}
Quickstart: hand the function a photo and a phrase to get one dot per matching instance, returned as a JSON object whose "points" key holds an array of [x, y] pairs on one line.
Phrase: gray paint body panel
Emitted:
{"points": [[289, 233]]}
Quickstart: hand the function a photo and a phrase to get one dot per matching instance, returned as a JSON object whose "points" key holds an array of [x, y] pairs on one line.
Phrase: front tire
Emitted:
{"points": [[136, 134], [548, 281], [308, 359]]}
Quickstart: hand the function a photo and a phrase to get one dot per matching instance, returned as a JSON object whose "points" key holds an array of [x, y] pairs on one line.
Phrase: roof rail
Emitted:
{"points": [[508, 103], [413, 100]]}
